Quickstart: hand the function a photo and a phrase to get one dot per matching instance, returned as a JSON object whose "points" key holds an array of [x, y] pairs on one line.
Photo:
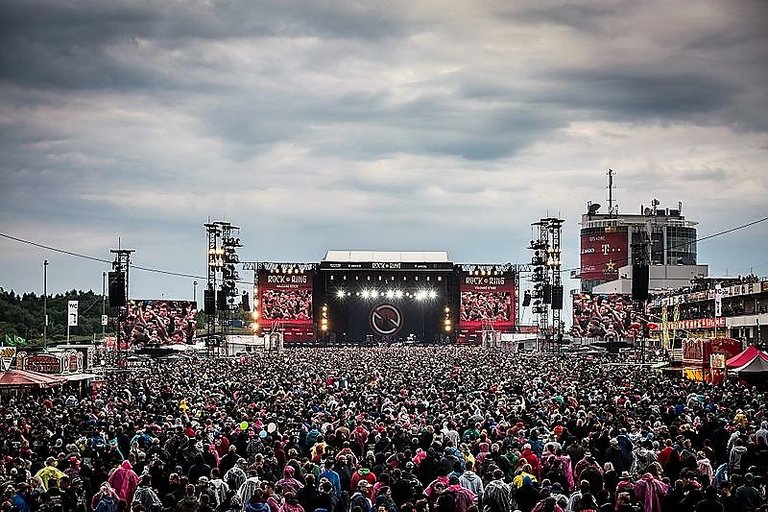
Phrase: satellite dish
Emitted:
{"points": [[593, 207], [271, 427]]}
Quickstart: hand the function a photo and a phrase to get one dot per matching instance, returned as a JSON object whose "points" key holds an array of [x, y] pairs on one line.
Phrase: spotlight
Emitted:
{"points": [[390, 294], [374, 294], [432, 294], [366, 294], [399, 294], [340, 294]]}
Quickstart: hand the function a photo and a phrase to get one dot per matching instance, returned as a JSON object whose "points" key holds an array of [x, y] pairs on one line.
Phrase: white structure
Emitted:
{"points": [[661, 277]]}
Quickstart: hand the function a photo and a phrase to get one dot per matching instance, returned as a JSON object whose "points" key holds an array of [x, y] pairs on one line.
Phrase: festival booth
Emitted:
{"points": [[750, 364], [23, 379], [704, 359], [19, 379], [67, 366]]}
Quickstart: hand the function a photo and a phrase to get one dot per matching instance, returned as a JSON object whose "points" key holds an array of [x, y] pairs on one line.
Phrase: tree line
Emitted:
{"points": [[22, 317]]}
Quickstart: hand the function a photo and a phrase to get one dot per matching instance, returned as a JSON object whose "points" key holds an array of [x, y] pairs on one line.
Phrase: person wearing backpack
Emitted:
{"points": [[146, 496]]}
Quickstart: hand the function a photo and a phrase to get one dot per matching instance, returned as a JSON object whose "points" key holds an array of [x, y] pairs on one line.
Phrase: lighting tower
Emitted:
{"points": [[221, 287], [213, 232], [547, 282], [554, 265], [120, 272], [229, 276], [542, 292]]}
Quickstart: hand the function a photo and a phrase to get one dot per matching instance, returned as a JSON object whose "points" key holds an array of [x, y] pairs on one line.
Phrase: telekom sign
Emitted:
{"points": [[602, 254]]}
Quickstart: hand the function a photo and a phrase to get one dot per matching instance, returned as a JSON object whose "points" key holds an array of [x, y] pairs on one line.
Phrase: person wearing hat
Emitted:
{"points": [[557, 492], [49, 473], [75, 499], [361, 497], [74, 467]]}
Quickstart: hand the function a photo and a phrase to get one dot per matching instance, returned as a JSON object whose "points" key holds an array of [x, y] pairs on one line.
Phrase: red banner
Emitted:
{"points": [[602, 254], [285, 301], [487, 300], [697, 352], [698, 323]]}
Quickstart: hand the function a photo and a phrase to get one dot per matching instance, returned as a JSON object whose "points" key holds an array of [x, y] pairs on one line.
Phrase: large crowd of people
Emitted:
{"points": [[485, 306], [391, 429], [295, 304], [159, 322]]}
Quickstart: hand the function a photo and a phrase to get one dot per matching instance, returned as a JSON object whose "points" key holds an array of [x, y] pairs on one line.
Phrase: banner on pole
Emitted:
{"points": [[104, 319], [72, 306], [718, 301]]}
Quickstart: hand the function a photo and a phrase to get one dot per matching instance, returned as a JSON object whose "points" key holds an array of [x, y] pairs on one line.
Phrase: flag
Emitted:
{"points": [[15, 341]]}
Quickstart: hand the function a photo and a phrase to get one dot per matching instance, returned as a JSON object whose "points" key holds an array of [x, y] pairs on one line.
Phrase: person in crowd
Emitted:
{"points": [[517, 430]]}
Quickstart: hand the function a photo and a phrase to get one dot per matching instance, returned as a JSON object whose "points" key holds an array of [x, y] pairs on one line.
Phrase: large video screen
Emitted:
{"points": [[486, 306], [159, 322], [285, 300], [485, 299], [278, 304], [605, 317]]}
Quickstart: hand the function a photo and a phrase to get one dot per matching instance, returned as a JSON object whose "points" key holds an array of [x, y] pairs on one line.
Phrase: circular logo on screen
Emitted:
{"points": [[386, 319]]}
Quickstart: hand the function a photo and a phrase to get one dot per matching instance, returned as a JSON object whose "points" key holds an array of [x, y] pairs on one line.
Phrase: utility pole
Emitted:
{"points": [[45, 304], [103, 302]]}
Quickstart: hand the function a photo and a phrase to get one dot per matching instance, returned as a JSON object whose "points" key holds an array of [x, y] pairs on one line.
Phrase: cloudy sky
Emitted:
{"points": [[399, 125]]}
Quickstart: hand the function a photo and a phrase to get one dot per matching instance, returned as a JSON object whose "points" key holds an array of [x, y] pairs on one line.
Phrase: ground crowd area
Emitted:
{"points": [[425, 429]]}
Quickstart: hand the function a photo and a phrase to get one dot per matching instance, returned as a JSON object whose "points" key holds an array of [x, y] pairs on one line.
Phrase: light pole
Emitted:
{"points": [[45, 304], [103, 302], [194, 291]]}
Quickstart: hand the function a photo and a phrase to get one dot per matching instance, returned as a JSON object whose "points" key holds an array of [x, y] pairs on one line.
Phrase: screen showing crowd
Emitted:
{"points": [[159, 322], [481, 306], [293, 304], [605, 317]]}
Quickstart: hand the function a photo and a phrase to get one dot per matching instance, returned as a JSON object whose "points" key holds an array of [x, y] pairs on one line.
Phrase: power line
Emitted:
{"points": [[94, 258], [194, 276]]}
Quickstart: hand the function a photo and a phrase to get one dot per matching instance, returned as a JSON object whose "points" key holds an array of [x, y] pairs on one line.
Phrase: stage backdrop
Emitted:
{"points": [[285, 302], [487, 299]]}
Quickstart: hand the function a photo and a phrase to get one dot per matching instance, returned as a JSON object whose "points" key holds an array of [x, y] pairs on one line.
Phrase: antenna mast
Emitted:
{"points": [[610, 191]]}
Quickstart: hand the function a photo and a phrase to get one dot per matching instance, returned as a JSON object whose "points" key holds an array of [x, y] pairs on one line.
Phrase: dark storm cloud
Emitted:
{"points": [[89, 44], [636, 94], [429, 123]]}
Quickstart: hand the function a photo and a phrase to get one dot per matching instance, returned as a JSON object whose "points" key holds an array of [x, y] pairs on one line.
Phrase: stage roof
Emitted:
{"points": [[387, 256]]}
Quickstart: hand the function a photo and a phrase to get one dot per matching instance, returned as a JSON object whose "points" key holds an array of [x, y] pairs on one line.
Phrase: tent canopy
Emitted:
{"points": [[745, 357], [757, 365], [13, 379]]}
